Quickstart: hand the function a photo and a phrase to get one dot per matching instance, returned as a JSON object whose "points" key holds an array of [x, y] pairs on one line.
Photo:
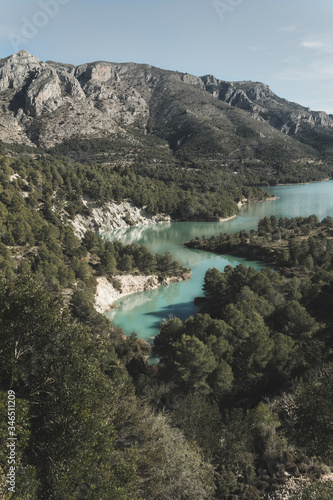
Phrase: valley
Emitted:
{"points": [[159, 347]]}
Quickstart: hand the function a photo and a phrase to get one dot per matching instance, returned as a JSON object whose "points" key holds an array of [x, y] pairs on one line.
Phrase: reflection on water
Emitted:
{"points": [[143, 312]]}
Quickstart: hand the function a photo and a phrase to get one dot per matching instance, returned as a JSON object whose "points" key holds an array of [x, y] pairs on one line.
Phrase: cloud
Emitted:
{"points": [[293, 59], [257, 48], [315, 44], [327, 71], [322, 43], [318, 69], [291, 29], [310, 59]]}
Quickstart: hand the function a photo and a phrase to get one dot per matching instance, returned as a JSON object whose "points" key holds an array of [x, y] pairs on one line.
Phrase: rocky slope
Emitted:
{"points": [[45, 103], [257, 98], [107, 295], [114, 216]]}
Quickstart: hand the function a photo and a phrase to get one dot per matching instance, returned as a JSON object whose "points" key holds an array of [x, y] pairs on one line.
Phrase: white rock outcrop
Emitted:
{"points": [[107, 294], [114, 216]]}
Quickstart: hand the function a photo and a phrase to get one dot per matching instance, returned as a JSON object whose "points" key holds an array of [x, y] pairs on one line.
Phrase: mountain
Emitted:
{"points": [[198, 120], [256, 97], [311, 127]]}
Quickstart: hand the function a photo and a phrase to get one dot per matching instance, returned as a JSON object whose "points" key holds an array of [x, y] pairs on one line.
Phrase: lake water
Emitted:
{"points": [[143, 312]]}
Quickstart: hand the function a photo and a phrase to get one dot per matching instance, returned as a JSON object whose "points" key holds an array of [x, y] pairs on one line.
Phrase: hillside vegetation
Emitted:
{"points": [[249, 378]]}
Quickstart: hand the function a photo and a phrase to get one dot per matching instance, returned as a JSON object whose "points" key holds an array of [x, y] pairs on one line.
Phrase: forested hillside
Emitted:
{"points": [[61, 185], [240, 403], [250, 377], [81, 430], [227, 407], [290, 245]]}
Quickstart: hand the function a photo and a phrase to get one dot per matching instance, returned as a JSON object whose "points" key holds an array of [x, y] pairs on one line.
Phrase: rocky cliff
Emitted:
{"points": [[113, 216], [258, 98], [45, 103]]}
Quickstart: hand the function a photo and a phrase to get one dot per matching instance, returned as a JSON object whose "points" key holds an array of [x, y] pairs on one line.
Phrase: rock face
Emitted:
{"points": [[17, 69], [106, 294], [44, 103], [114, 216], [257, 98]]}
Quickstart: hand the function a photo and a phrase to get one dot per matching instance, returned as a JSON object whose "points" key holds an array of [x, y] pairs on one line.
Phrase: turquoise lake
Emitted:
{"points": [[143, 312]]}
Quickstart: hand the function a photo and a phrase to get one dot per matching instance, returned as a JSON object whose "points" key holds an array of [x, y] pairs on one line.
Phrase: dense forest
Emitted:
{"points": [[36, 235], [239, 406], [254, 367], [240, 403], [182, 190], [81, 430], [290, 245]]}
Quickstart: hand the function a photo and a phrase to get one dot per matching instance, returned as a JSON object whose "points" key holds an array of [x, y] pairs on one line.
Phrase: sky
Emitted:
{"points": [[287, 44]]}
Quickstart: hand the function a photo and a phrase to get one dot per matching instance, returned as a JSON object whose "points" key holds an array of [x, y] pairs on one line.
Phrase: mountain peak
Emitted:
{"points": [[15, 69], [23, 56]]}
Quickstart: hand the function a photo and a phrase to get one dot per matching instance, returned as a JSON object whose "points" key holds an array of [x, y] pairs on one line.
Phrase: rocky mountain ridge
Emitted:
{"points": [[258, 98], [46, 103]]}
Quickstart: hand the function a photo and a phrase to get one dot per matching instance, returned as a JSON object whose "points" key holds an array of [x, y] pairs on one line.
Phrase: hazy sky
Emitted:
{"points": [[287, 44]]}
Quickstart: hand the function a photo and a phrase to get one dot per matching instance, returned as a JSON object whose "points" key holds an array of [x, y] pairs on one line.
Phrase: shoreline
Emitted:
{"points": [[302, 183], [241, 204], [227, 218], [271, 198], [107, 295], [125, 214], [113, 217]]}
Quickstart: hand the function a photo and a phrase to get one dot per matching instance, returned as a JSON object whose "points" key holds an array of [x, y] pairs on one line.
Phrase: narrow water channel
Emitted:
{"points": [[143, 312]]}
